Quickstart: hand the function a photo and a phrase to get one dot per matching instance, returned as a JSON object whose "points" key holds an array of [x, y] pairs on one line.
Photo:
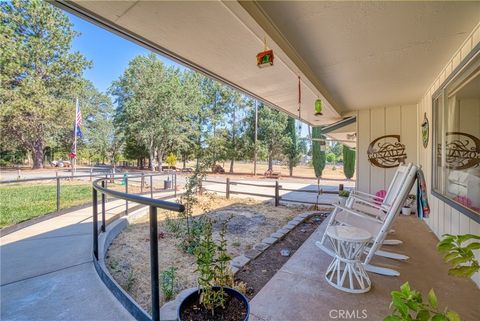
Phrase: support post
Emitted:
{"points": [[154, 264], [58, 192], [175, 185], [95, 223], [340, 187], [227, 188], [91, 173], [151, 186], [126, 192], [142, 182], [255, 144], [277, 194], [103, 208]]}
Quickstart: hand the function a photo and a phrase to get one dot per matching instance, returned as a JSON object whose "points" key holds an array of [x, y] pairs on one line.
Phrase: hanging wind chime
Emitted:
{"points": [[265, 58]]}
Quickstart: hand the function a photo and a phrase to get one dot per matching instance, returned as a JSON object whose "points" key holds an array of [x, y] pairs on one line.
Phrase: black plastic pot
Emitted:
{"points": [[194, 296]]}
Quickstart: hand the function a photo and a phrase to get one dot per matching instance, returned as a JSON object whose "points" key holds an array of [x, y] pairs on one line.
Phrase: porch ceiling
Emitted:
{"points": [[353, 55], [369, 54]]}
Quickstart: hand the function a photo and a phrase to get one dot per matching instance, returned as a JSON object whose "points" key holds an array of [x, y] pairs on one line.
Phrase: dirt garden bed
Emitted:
{"points": [[249, 221]]}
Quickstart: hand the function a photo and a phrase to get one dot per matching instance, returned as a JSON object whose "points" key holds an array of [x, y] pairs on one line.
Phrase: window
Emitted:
{"points": [[456, 139]]}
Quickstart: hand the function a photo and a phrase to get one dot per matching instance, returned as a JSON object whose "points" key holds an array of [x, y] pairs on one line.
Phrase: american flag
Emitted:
{"points": [[78, 122]]}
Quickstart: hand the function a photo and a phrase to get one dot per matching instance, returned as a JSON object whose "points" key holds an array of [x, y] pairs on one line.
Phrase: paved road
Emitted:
{"points": [[47, 272]]}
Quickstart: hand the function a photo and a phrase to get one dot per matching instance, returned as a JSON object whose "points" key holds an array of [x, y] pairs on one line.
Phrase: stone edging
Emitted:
{"points": [[239, 262]]}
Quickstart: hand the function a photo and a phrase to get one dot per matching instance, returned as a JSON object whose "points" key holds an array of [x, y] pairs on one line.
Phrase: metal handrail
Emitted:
{"points": [[99, 185], [171, 206]]}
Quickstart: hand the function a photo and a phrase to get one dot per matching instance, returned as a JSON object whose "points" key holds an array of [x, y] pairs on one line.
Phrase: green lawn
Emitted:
{"points": [[22, 202]]}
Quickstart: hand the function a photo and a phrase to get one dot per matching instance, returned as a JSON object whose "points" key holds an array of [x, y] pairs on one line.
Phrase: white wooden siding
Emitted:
{"points": [[406, 121]]}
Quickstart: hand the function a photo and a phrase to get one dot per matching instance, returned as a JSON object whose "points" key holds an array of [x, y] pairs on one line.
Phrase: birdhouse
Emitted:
{"points": [[265, 58], [318, 107]]}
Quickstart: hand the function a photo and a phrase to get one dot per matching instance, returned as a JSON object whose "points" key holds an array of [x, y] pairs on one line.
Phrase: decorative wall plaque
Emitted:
{"points": [[462, 150], [425, 130], [387, 154]]}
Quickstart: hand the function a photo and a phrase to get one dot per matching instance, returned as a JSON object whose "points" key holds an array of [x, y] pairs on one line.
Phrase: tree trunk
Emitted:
{"points": [[290, 168], [37, 154], [151, 160], [184, 161], [270, 161], [231, 165], [159, 160]]}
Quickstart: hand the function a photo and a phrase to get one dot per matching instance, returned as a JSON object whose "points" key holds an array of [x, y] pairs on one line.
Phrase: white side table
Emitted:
{"points": [[346, 272]]}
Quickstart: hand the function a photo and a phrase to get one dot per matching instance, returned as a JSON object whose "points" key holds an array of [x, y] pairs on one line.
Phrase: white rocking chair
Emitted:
{"points": [[374, 206], [378, 222]]}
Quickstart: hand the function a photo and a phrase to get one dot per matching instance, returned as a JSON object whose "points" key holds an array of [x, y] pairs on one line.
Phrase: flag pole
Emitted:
{"points": [[74, 161], [255, 146]]}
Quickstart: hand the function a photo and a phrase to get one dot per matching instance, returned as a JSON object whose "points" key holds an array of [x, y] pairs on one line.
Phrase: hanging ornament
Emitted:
{"points": [[265, 58], [318, 107]]}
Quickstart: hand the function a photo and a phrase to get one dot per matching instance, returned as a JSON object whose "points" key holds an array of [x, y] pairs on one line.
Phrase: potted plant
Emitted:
{"points": [[216, 298], [409, 202], [342, 197]]}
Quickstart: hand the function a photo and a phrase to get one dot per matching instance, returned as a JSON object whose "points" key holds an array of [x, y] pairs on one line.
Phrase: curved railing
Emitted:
{"points": [[100, 186]]}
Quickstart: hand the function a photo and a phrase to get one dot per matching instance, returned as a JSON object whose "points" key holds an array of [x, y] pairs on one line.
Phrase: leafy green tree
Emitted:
{"points": [[271, 131], [348, 162], [151, 104], [318, 151], [40, 76], [293, 147]]}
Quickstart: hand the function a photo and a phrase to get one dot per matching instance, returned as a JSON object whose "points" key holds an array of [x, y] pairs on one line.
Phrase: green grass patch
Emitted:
{"points": [[21, 202]]}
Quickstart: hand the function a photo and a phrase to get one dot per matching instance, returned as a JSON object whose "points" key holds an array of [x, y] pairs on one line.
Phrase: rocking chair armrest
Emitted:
{"points": [[357, 192], [370, 203], [360, 214]]}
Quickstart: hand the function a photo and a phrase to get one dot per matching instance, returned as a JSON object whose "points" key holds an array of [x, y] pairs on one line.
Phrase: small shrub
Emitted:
{"points": [[130, 281], [461, 258], [344, 193], [167, 282], [408, 305], [171, 160]]}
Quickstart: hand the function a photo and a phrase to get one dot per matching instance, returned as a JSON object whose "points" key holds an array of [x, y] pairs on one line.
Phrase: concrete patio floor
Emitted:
{"points": [[299, 290]]}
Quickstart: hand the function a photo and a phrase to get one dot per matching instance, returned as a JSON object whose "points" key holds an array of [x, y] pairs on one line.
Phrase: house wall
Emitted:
{"points": [[406, 121]]}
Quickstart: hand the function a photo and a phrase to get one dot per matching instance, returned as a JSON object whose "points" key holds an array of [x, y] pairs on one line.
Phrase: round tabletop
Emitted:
{"points": [[348, 233]]}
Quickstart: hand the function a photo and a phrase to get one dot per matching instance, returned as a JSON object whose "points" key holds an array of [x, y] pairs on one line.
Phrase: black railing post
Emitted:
{"points": [[95, 223], [340, 187], [126, 191], [227, 188], [58, 192], [103, 208], [277, 194], [154, 264], [151, 186]]}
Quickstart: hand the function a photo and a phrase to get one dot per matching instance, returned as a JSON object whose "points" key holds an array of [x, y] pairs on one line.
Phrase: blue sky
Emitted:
{"points": [[110, 53]]}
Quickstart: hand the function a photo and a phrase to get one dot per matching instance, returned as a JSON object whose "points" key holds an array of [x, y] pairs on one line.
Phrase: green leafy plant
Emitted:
{"points": [[344, 193], [167, 281], [206, 253], [408, 305], [459, 256], [213, 266]]}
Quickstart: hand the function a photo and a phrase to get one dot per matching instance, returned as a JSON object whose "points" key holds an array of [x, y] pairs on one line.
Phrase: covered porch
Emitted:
{"points": [[380, 62]]}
